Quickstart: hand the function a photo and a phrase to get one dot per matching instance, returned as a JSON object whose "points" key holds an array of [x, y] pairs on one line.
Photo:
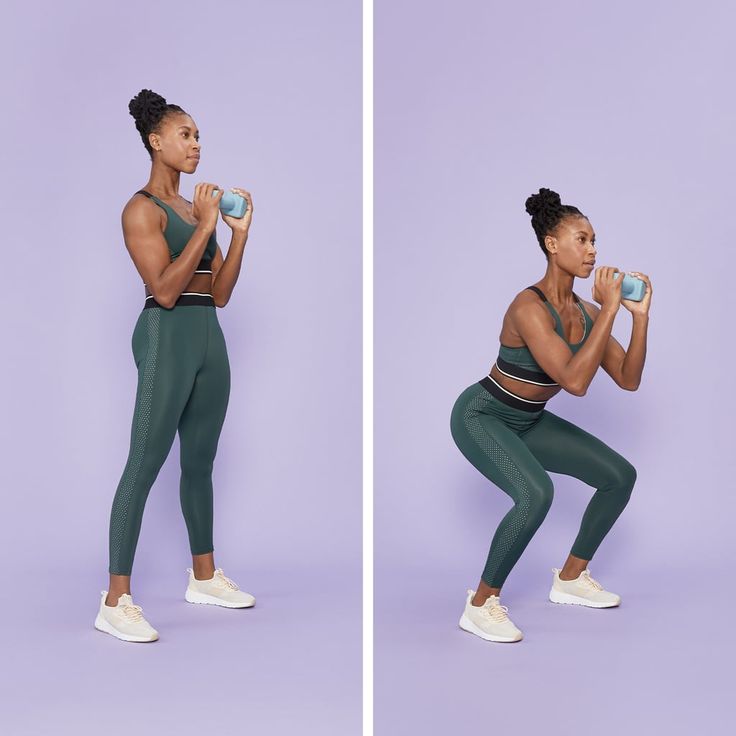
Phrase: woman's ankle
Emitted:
{"points": [[481, 597], [114, 595]]}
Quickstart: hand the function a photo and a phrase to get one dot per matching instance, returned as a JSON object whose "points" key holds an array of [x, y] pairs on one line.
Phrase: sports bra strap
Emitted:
{"points": [[150, 196], [544, 298], [538, 291]]}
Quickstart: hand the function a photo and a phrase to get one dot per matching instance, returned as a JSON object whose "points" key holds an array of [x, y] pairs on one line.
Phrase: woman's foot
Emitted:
{"points": [[124, 620], [489, 621], [582, 591], [218, 590]]}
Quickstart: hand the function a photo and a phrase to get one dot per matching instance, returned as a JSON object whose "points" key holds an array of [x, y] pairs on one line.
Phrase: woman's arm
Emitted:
{"points": [[573, 372], [626, 366], [225, 271]]}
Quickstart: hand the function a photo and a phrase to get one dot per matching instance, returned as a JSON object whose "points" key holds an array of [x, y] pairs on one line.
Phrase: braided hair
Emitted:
{"points": [[547, 212], [149, 110]]}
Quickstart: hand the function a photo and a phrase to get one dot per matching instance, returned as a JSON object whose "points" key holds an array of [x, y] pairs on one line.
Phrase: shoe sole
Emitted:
{"points": [[557, 597], [102, 624], [192, 596], [467, 625]]}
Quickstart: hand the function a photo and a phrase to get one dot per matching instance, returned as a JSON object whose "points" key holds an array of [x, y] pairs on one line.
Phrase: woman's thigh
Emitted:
{"points": [[563, 447]]}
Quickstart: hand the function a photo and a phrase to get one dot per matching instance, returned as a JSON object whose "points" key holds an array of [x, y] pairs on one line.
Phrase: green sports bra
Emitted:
{"points": [[519, 362], [178, 233]]}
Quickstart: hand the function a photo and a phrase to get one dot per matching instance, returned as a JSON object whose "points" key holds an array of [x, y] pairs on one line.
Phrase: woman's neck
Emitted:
{"points": [[557, 285], [163, 181]]}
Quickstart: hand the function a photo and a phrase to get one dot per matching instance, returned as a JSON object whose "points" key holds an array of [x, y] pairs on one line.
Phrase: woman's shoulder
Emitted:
{"points": [[527, 294], [139, 210], [138, 202], [526, 308], [525, 300]]}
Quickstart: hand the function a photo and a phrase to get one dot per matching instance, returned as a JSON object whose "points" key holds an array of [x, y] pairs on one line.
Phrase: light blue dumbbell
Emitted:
{"points": [[232, 204], [633, 288]]}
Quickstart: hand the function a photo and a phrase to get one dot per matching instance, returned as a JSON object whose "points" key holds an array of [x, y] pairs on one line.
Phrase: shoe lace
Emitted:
{"points": [[132, 612], [224, 581], [495, 611], [590, 581]]}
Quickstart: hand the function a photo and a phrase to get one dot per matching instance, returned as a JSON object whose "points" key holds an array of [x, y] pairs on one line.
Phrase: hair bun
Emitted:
{"points": [[147, 104], [545, 201]]}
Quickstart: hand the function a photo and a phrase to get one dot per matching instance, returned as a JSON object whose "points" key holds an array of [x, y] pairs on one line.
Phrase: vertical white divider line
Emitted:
{"points": [[367, 367]]}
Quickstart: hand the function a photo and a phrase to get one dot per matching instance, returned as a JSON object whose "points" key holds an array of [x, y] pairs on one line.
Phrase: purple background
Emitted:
{"points": [[628, 111], [275, 89]]}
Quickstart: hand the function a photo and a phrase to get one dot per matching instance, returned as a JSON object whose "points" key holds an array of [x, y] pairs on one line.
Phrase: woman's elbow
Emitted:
{"points": [[163, 299], [576, 389], [219, 298]]}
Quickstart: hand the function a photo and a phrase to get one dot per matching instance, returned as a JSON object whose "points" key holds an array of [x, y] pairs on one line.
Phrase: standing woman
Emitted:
{"points": [[181, 357], [550, 340]]}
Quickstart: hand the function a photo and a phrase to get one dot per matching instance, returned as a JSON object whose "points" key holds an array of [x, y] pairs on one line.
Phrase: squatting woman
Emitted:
{"points": [[550, 340]]}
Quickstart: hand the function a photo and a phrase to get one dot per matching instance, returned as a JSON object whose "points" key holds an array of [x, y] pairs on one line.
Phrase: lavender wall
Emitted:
{"points": [[275, 91], [627, 110]]}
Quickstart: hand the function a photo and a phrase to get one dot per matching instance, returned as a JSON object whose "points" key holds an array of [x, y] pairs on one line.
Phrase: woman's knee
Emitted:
{"points": [[537, 498], [624, 476], [196, 466]]}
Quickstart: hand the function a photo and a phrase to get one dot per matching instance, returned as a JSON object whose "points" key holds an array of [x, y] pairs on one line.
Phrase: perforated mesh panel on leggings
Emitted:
{"points": [[141, 419], [498, 456]]}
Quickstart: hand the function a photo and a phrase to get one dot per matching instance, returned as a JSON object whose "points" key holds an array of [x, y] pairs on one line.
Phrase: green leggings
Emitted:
{"points": [[184, 385], [515, 449]]}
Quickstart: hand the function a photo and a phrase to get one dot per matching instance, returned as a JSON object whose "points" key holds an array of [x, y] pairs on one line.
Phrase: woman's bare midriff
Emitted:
{"points": [[200, 282]]}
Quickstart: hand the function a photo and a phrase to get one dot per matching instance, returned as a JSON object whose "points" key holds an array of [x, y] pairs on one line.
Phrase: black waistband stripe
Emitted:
{"points": [[509, 398], [187, 299], [524, 374]]}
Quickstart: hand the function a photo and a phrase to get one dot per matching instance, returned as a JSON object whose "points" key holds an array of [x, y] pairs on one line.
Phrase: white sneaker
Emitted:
{"points": [[583, 591], [125, 620], [488, 621], [218, 590]]}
